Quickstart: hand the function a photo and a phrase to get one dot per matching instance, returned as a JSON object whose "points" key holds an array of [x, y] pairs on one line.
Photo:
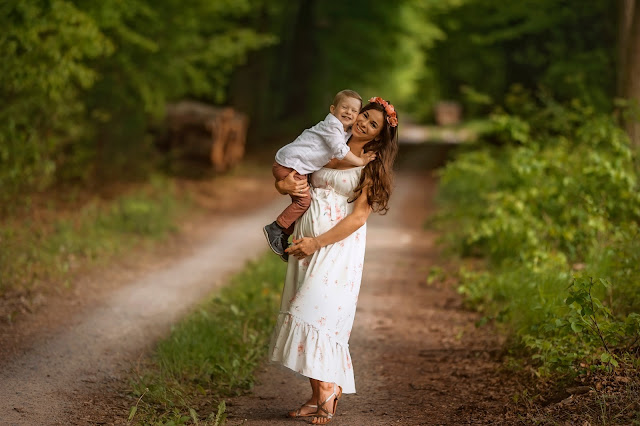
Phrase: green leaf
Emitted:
{"points": [[194, 416], [132, 412]]}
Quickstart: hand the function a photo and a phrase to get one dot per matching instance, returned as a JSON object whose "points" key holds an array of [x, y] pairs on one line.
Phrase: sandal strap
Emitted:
{"points": [[305, 405], [298, 412], [333, 395], [327, 415], [322, 406]]}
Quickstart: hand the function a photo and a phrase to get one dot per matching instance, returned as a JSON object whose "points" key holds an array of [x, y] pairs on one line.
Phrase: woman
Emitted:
{"points": [[323, 280]]}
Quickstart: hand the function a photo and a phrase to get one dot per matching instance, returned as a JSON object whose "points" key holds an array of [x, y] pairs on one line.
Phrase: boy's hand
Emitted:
{"points": [[368, 157]]}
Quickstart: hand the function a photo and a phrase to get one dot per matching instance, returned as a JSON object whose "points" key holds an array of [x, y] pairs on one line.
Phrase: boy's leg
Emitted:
{"points": [[301, 205], [276, 232], [298, 205]]}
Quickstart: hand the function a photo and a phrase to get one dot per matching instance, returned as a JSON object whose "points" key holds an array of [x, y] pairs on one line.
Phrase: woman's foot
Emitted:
{"points": [[329, 393]]}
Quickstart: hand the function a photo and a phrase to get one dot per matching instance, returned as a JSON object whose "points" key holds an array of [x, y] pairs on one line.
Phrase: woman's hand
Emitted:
{"points": [[303, 247], [292, 186]]}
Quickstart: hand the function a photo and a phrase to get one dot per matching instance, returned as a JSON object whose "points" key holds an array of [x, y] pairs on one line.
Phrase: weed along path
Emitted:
{"points": [[417, 355], [55, 378]]}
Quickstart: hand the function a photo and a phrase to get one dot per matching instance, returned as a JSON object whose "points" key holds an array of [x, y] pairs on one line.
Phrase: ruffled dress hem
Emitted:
{"points": [[312, 352]]}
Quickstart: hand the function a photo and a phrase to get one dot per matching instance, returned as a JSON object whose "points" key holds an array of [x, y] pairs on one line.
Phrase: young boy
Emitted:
{"points": [[308, 153]]}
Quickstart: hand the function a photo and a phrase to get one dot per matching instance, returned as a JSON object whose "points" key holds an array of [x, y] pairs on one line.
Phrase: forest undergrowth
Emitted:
{"points": [[548, 205], [45, 244]]}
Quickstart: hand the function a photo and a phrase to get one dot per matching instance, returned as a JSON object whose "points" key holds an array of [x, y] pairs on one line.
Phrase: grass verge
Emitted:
{"points": [[212, 353], [545, 212], [43, 249]]}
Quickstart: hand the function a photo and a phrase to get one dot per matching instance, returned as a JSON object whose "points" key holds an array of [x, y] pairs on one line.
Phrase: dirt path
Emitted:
{"points": [[418, 358], [56, 377], [417, 355]]}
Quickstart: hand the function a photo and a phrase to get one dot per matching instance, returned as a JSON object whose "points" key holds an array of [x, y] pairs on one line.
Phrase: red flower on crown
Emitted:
{"points": [[392, 119]]}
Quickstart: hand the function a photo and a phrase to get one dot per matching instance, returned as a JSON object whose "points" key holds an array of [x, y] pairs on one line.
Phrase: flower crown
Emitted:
{"points": [[392, 119]]}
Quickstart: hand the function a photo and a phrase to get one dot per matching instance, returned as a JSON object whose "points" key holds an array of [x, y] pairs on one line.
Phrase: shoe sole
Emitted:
{"points": [[266, 235]]}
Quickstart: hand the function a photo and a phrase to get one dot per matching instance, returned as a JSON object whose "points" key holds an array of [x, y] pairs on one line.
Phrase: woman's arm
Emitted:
{"points": [[308, 245]]}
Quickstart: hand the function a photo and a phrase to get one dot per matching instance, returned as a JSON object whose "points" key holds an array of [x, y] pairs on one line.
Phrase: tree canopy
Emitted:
{"points": [[83, 80]]}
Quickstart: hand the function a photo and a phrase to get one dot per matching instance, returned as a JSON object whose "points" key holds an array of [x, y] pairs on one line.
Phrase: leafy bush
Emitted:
{"points": [[82, 80], [46, 51], [553, 205]]}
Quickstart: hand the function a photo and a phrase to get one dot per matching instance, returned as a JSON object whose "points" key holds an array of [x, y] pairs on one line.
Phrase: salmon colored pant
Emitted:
{"points": [[298, 206]]}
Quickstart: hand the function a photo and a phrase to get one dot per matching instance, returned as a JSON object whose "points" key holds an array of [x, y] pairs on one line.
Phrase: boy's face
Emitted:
{"points": [[346, 111]]}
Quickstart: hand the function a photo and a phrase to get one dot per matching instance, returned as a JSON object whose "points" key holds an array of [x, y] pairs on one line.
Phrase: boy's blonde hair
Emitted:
{"points": [[346, 93]]}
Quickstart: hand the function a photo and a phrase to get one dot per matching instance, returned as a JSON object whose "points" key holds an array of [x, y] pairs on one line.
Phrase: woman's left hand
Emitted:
{"points": [[303, 247]]}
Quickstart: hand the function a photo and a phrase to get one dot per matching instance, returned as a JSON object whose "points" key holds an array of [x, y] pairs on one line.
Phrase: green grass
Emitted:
{"points": [[212, 353], [40, 254]]}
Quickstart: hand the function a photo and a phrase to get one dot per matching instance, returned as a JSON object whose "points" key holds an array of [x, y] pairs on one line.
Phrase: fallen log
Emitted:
{"points": [[206, 132]]}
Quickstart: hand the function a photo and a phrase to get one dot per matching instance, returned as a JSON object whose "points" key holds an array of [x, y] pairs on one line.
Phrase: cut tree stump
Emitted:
{"points": [[207, 132]]}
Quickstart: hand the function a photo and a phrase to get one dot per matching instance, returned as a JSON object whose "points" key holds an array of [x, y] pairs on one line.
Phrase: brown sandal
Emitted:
{"points": [[294, 414], [327, 415]]}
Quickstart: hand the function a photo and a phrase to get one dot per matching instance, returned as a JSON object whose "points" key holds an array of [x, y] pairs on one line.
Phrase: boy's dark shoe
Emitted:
{"points": [[274, 235], [285, 245]]}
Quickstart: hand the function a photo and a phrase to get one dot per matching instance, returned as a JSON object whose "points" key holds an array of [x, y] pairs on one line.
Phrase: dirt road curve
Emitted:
{"points": [[45, 384], [418, 358]]}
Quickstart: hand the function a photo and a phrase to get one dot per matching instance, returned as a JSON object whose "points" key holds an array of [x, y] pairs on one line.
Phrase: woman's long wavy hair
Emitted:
{"points": [[377, 176]]}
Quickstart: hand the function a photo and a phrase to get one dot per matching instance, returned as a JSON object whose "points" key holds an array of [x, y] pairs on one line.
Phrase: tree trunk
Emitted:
{"points": [[629, 65], [304, 57], [625, 13]]}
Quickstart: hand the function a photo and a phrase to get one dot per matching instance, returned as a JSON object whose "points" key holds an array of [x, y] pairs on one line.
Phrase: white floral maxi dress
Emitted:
{"points": [[321, 291]]}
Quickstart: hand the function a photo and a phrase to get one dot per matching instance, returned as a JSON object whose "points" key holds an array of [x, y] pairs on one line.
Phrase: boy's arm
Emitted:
{"points": [[334, 138], [363, 160]]}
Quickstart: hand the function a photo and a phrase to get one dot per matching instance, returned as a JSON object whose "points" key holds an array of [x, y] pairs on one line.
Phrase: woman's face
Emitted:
{"points": [[368, 125]]}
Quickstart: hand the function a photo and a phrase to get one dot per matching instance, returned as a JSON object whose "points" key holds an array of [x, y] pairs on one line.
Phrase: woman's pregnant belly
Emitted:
{"points": [[326, 210]]}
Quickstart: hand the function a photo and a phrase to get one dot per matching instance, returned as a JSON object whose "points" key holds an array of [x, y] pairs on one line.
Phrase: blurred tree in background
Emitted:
{"points": [[375, 48], [567, 46], [83, 81]]}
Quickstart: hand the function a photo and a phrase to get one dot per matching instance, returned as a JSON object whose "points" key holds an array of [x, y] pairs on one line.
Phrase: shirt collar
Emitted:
{"points": [[334, 120]]}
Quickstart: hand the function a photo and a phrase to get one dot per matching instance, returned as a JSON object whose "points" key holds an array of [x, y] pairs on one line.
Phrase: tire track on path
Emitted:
{"points": [[44, 384]]}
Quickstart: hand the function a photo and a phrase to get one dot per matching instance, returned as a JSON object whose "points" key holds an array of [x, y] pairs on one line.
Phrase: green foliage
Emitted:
{"points": [[36, 251], [392, 36], [553, 205], [491, 45], [46, 47], [213, 352], [375, 48], [82, 80]]}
